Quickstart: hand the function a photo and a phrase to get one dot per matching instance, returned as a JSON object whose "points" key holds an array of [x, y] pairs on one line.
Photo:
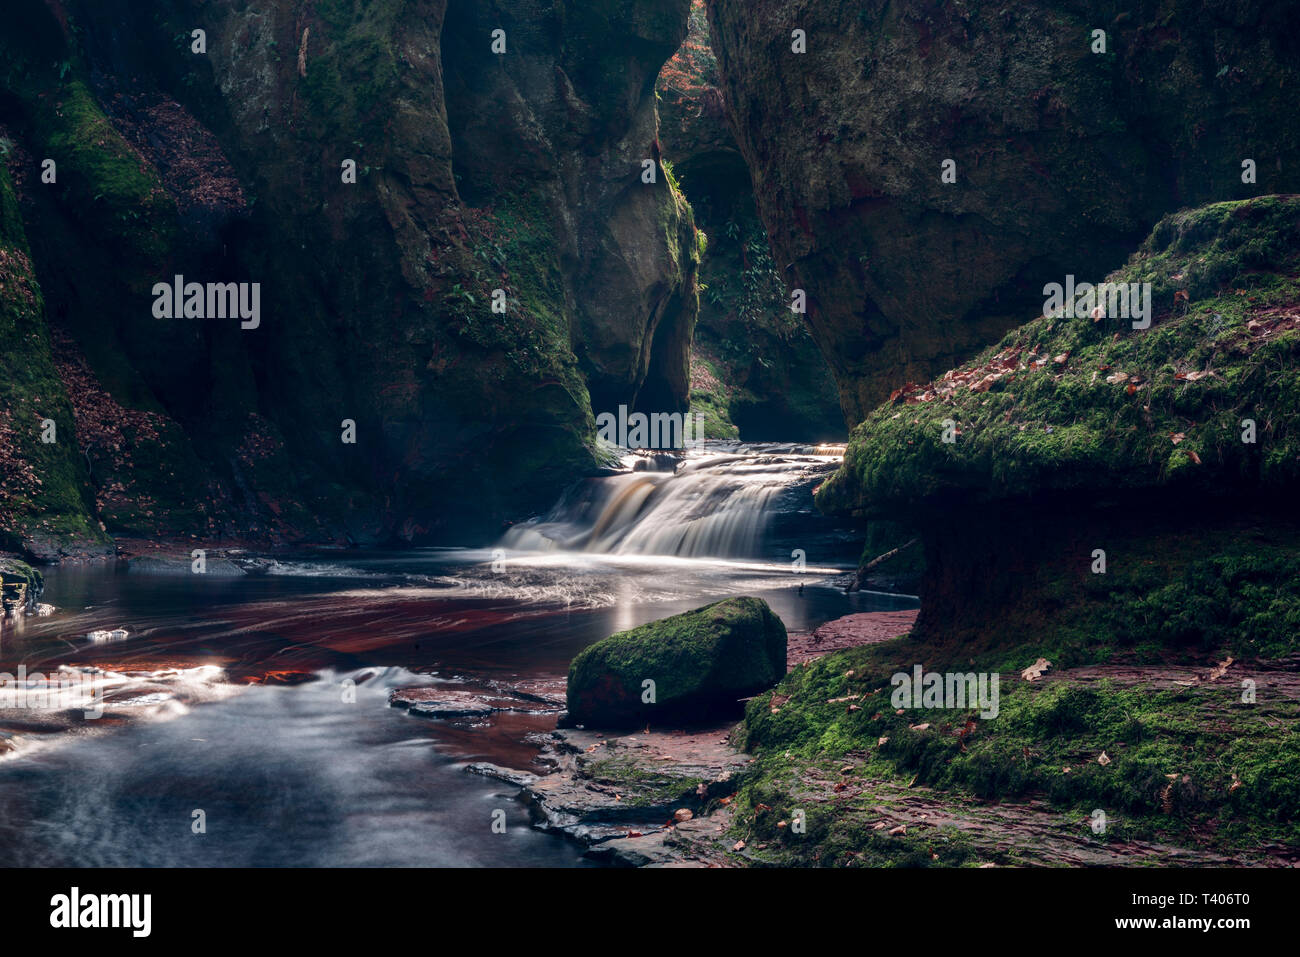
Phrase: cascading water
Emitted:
{"points": [[230, 690], [719, 501]]}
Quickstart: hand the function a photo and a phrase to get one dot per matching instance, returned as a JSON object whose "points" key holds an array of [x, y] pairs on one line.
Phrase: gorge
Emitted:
{"points": [[509, 361]]}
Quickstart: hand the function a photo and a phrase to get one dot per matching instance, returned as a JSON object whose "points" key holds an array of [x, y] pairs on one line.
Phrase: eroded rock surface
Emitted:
{"points": [[1065, 158]]}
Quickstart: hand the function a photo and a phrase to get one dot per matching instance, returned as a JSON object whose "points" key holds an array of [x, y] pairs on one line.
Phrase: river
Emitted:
{"points": [[252, 707]]}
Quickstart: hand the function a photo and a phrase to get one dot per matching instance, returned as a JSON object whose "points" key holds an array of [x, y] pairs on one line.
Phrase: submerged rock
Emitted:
{"points": [[478, 700], [684, 668]]}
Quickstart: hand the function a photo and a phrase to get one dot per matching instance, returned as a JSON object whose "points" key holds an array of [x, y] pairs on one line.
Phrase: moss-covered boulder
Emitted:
{"points": [[1106, 489], [684, 668], [1206, 400]]}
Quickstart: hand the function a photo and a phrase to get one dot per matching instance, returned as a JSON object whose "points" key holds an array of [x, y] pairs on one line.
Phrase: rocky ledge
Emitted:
{"points": [[659, 797]]}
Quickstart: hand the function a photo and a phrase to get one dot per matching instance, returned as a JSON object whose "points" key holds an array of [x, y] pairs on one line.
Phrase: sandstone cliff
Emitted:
{"points": [[1064, 157], [476, 171]]}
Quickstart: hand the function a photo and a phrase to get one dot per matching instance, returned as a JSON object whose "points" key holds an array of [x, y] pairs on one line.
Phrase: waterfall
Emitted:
{"points": [[715, 503]]}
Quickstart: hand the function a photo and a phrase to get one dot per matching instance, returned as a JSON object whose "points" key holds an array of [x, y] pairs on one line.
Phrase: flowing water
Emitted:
{"points": [[257, 702]]}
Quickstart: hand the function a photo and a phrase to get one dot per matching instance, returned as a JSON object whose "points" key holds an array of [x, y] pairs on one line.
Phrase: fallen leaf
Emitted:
{"points": [[1177, 437], [1103, 760]]}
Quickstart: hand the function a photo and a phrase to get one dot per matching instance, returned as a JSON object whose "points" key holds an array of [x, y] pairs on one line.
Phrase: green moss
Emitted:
{"points": [[353, 70], [512, 249], [43, 484], [110, 182], [116, 193], [1173, 414], [642, 786], [767, 377], [711, 397], [20, 585], [700, 663], [1191, 765]]}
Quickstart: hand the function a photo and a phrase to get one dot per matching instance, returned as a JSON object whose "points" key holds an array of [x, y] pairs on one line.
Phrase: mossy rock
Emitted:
{"points": [[46, 508], [1087, 405], [701, 662], [20, 584]]}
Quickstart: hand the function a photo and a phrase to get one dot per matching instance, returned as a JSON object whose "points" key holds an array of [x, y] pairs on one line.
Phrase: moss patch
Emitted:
{"points": [[41, 483], [1086, 404], [1192, 766], [699, 663]]}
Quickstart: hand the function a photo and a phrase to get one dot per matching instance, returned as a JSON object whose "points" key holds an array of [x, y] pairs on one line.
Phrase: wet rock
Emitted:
{"points": [[470, 700], [20, 586], [629, 788]]}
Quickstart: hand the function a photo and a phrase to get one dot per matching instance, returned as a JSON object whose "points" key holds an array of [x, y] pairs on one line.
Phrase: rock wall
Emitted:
{"points": [[1064, 157], [475, 171], [756, 370]]}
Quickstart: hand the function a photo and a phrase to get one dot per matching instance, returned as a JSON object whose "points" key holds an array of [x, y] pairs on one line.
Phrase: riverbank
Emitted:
{"points": [[823, 771], [663, 796]]}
